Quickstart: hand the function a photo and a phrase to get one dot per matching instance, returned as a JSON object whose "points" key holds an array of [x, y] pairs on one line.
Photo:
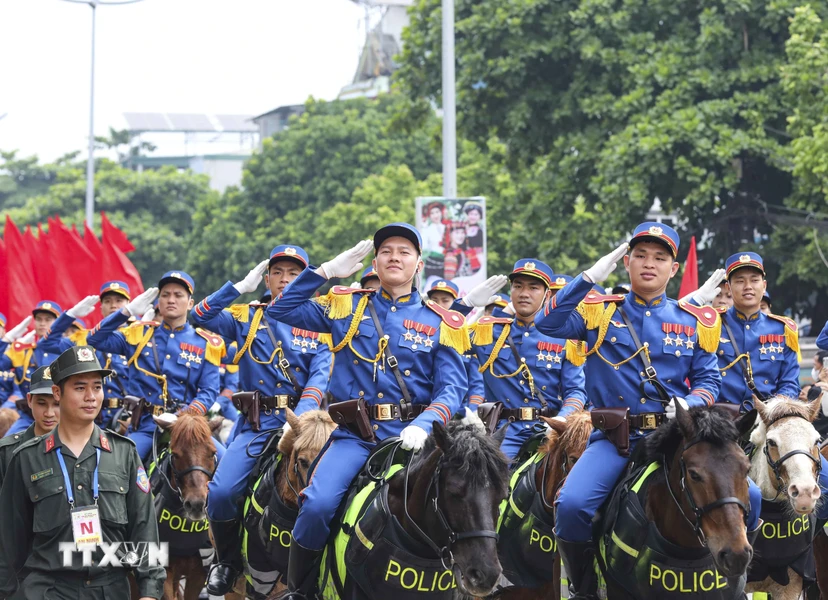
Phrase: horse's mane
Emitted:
{"points": [[473, 455], [782, 406], [191, 431], [712, 426], [315, 430], [574, 438]]}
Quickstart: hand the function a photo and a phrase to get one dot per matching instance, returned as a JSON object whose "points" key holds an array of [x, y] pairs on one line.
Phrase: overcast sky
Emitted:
{"points": [[184, 56]]}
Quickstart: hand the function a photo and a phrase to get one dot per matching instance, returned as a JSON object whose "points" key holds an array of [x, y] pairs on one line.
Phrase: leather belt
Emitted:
{"points": [[391, 412], [278, 402], [113, 403], [646, 421], [527, 413]]}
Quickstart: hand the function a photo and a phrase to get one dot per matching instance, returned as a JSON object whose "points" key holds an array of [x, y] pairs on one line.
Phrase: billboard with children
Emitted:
{"points": [[454, 240]]}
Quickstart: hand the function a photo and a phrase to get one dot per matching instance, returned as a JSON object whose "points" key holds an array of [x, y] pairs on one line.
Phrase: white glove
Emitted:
{"points": [[561, 419], [670, 409], [711, 288], [606, 265], [28, 338], [15, 332], [347, 263], [149, 315], [483, 294], [251, 282], [142, 303], [83, 308], [413, 438]]}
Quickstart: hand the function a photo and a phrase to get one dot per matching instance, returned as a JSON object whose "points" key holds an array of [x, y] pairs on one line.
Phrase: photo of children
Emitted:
{"points": [[454, 240]]}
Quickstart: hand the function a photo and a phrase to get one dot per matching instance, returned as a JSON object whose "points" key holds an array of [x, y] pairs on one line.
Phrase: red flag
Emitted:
{"points": [[118, 237], [4, 275], [690, 279], [77, 280], [22, 290], [94, 246], [46, 274]]}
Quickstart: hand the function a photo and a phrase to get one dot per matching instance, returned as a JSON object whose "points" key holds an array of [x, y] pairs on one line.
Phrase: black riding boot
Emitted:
{"points": [[227, 565], [302, 573], [578, 560]]}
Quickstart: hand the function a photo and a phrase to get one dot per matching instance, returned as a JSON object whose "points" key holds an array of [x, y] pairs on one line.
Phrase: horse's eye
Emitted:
{"points": [[771, 443], [304, 463], [695, 476]]}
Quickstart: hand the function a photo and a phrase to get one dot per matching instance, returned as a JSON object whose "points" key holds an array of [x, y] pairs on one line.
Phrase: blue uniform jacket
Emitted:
{"points": [[308, 357], [477, 389], [53, 343], [659, 323], [822, 340], [189, 359], [774, 361], [553, 374], [426, 340], [7, 387], [26, 358]]}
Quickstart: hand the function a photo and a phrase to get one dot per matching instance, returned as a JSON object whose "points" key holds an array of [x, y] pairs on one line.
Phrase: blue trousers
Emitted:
{"points": [[338, 463], [22, 424], [143, 439], [516, 435], [591, 481], [227, 488]]}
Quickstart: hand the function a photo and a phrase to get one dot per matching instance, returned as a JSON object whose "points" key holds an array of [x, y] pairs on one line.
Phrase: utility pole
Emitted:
{"points": [[449, 106]]}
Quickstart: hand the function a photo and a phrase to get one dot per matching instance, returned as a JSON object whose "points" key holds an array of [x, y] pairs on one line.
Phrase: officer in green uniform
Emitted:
{"points": [[45, 412], [77, 484]]}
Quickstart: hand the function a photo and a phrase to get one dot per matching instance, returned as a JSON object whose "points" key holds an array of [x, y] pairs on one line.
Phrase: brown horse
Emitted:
{"points": [[821, 546]]}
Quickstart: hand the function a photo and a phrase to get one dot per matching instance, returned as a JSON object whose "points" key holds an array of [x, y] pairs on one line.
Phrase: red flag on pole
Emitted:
{"points": [[690, 279], [94, 246], [118, 237], [116, 265], [46, 275], [4, 275], [22, 290], [76, 280]]}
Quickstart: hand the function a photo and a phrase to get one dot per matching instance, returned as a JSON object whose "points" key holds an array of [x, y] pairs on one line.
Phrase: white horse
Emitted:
{"points": [[785, 466]]}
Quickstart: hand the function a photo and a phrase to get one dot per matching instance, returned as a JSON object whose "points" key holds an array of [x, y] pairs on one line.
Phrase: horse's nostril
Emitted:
{"points": [[793, 491]]}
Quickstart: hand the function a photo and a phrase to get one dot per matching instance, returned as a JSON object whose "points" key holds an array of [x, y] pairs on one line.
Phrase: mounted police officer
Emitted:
{"points": [[280, 367], [532, 374], [172, 364], [398, 369], [113, 296], [641, 337], [76, 484]]}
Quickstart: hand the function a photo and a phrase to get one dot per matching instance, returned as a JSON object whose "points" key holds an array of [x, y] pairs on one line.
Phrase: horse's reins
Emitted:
{"points": [[775, 465], [699, 512], [177, 475]]}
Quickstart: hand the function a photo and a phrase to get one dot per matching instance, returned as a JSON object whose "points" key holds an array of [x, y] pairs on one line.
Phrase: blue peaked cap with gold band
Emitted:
{"points": [[443, 285], [368, 272], [502, 300], [651, 231], [47, 306], [179, 277], [115, 287], [560, 281], [288, 252], [404, 230], [532, 267], [742, 260]]}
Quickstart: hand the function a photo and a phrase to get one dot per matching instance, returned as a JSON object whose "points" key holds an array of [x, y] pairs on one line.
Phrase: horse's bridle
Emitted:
{"points": [[775, 465], [451, 536], [177, 475], [698, 512]]}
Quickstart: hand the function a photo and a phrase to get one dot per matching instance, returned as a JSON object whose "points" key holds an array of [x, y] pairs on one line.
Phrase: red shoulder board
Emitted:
{"points": [[213, 339], [493, 320], [452, 318], [20, 346], [342, 290], [596, 298], [706, 315], [721, 309], [105, 443], [789, 323]]}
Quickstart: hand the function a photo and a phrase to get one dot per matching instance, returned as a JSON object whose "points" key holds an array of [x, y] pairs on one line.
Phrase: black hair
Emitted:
{"points": [[820, 356]]}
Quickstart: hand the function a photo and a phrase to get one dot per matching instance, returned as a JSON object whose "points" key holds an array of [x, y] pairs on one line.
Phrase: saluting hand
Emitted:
{"points": [[142, 303], [347, 263], [606, 265], [711, 288], [251, 282], [13, 334], [84, 307], [483, 294], [28, 338]]}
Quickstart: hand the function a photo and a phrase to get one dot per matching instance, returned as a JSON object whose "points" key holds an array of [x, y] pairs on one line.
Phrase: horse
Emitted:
{"points": [[785, 465], [180, 479], [277, 494], [520, 541], [679, 521], [424, 529], [821, 543]]}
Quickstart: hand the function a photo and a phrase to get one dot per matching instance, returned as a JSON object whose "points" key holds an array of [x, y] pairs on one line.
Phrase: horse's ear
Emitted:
{"points": [[685, 421], [500, 435], [746, 422], [761, 408], [814, 406], [441, 436], [293, 420], [216, 423], [555, 424]]}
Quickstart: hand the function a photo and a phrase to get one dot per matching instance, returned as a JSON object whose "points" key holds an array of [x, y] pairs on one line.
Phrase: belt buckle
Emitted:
{"points": [[649, 421], [527, 413], [384, 412], [157, 410], [282, 401], [113, 403]]}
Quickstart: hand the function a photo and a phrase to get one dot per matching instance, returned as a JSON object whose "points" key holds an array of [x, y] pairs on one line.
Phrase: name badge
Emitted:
{"points": [[86, 525]]}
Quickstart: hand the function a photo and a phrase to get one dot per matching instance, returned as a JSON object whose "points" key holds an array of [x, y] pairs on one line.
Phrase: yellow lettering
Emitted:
{"points": [[402, 578], [165, 515], [793, 526], [764, 531], [172, 522], [664, 580], [534, 536], [546, 543], [806, 523], [392, 565], [284, 538], [440, 585], [681, 582], [420, 587], [653, 576], [712, 581], [721, 582]]}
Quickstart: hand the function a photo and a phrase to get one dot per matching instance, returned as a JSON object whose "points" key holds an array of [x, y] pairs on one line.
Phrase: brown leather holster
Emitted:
{"points": [[489, 413], [247, 403], [613, 422], [354, 416], [135, 407]]}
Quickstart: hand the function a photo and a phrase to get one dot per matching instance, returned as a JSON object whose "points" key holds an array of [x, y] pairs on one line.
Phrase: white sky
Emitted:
{"points": [[185, 56]]}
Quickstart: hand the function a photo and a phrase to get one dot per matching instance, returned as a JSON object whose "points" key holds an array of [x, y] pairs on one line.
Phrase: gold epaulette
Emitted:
{"points": [[453, 330], [339, 301], [79, 337], [592, 308], [791, 333], [483, 330], [17, 353], [134, 333], [576, 352], [240, 312], [709, 325], [215, 347]]}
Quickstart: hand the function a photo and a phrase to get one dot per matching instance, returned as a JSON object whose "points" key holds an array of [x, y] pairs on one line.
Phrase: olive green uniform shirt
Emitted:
{"points": [[36, 510], [9, 444]]}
